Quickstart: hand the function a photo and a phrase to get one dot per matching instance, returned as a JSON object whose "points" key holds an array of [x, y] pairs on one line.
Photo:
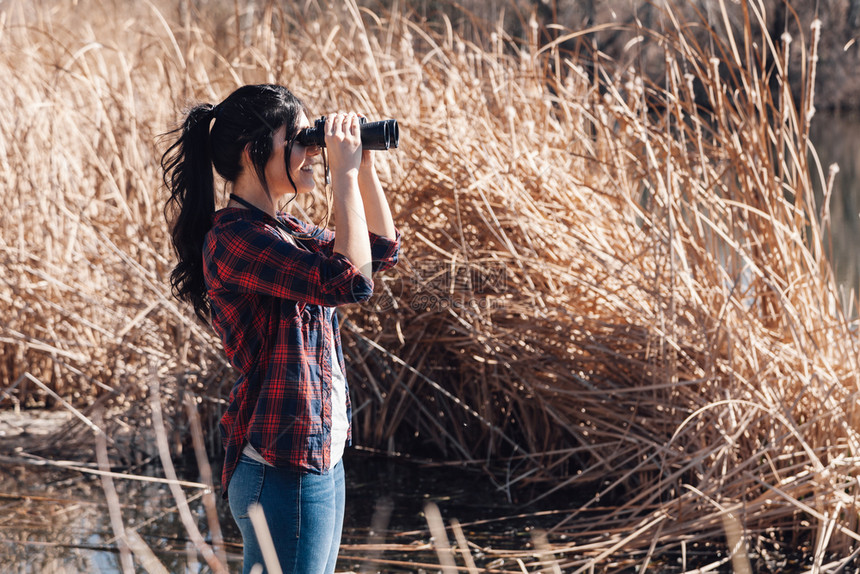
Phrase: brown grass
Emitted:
{"points": [[658, 328]]}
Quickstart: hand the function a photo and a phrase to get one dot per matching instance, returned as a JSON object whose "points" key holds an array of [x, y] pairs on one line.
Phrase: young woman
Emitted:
{"points": [[269, 283]]}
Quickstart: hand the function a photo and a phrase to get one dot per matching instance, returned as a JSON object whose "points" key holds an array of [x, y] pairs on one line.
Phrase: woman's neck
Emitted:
{"points": [[256, 197]]}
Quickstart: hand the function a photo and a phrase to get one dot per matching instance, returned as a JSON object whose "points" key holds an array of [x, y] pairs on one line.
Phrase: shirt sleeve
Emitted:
{"points": [[246, 257], [384, 251]]}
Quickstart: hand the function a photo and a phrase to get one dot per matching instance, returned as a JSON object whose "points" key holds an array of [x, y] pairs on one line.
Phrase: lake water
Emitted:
{"points": [[57, 521]]}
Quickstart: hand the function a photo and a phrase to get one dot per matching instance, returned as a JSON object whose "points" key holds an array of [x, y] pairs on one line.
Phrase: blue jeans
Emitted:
{"points": [[304, 513]]}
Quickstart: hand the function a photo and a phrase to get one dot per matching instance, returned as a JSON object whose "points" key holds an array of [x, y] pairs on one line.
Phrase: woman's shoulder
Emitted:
{"points": [[233, 222], [237, 217], [229, 214]]}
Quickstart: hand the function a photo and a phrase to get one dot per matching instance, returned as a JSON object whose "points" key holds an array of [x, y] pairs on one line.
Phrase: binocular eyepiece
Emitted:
{"points": [[380, 135]]}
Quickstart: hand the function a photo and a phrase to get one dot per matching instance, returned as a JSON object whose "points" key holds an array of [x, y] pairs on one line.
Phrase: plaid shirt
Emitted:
{"points": [[267, 296]]}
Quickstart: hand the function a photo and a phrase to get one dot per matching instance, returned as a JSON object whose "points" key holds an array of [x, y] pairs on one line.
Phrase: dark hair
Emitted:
{"points": [[248, 118]]}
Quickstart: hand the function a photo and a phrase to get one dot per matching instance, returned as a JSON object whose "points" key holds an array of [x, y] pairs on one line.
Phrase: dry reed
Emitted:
{"points": [[612, 283]]}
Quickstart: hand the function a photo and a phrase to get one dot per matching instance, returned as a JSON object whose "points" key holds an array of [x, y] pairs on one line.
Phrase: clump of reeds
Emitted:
{"points": [[612, 283]]}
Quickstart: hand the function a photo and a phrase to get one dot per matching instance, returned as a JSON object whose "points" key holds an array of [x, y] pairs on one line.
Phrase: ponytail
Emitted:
{"points": [[187, 167]]}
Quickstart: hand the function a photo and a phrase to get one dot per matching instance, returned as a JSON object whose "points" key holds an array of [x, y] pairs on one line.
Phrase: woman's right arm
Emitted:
{"points": [[245, 257], [343, 141]]}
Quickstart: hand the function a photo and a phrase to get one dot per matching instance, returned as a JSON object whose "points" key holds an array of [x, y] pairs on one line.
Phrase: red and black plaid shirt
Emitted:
{"points": [[267, 295]]}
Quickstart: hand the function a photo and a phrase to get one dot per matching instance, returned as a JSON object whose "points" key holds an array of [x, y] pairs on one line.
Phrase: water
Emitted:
{"points": [[57, 521], [54, 520]]}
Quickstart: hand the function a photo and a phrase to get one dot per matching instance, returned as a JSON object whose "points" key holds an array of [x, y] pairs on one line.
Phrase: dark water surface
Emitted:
{"points": [[55, 520]]}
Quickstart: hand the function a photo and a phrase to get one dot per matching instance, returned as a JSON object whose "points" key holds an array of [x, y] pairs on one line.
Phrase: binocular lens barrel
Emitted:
{"points": [[381, 135]]}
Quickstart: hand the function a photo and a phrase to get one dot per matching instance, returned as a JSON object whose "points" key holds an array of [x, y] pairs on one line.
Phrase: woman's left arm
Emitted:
{"points": [[376, 210]]}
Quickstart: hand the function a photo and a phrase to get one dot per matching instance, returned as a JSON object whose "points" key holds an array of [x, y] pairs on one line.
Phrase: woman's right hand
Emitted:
{"points": [[343, 143]]}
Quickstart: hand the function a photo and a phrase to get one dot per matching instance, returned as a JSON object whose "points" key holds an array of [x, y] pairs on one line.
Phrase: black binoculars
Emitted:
{"points": [[380, 135]]}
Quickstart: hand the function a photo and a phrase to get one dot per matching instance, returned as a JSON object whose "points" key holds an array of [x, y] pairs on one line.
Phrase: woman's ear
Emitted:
{"points": [[245, 159]]}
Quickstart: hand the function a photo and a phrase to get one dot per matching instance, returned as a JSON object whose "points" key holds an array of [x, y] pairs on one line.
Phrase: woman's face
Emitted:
{"points": [[302, 160]]}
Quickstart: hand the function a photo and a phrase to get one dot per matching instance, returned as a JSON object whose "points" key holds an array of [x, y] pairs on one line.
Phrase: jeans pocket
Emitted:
{"points": [[246, 485]]}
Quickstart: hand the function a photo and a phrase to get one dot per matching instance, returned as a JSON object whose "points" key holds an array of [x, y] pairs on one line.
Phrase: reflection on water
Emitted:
{"points": [[836, 138], [56, 521]]}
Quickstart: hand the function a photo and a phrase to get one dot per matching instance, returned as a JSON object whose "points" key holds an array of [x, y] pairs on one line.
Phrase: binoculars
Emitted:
{"points": [[380, 135]]}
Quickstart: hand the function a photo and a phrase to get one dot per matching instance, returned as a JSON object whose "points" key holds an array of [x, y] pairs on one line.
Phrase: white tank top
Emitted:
{"points": [[339, 420]]}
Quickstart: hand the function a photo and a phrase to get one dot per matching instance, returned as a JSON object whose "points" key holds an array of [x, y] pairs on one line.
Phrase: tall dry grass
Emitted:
{"points": [[612, 284]]}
